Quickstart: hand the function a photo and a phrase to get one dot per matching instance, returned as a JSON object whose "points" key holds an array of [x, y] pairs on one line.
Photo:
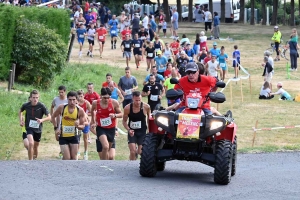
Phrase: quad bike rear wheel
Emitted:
{"points": [[234, 156], [161, 166], [223, 162], [148, 163]]}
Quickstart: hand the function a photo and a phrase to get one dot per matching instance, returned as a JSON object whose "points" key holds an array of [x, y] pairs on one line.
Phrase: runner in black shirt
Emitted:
{"points": [[150, 54], [154, 91], [34, 122], [143, 36], [137, 45], [126, 46]]}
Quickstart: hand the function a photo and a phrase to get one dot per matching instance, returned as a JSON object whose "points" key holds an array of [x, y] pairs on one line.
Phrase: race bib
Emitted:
{"points": [[127, 45], [128, 92], [101, 37], [222, 65], [202, 61], [81, 36], [105, 121], [113, 32], [150, 54], [136, 125], [143, 37], [191, 58], [34, 124], [154, 97], [68, 129], [137, 45], [174, 49], [157, 50]]}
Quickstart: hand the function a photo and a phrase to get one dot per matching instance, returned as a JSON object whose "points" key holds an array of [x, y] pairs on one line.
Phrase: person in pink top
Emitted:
{"points": [[203, 40]]}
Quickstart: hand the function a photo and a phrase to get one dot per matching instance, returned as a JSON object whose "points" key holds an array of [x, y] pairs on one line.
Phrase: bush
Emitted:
{"points": [[38, 52], [55, 19]]}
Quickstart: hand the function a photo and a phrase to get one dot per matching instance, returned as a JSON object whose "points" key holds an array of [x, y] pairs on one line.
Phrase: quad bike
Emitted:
{"points": [[191, 135]]}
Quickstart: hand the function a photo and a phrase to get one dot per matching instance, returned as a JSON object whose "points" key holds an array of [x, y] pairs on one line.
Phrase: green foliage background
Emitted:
{"points": [[55, 19]]}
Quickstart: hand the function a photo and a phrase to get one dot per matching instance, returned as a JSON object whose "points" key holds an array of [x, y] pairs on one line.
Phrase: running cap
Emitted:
{"points": [[191, 66], [158, 52]]}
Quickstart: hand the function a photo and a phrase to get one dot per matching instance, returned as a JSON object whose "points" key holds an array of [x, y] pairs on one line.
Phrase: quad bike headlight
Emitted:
{"points": [[216, 124], [163, 120]]}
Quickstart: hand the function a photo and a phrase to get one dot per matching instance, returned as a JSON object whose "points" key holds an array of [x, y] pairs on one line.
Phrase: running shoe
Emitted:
{"points": [[89, 140], [85, 156], [60, 156], [88, 53], [91, 55]]}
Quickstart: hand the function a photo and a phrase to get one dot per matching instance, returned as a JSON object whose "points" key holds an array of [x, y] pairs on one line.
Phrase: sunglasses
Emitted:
{"points": [[105, 97], [191, 72]]}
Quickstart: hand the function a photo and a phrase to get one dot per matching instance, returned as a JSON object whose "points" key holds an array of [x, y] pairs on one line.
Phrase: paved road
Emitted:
{"points": [[259, 176]]}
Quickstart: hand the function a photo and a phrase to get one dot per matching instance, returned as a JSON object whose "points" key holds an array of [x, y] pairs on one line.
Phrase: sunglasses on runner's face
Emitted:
{"points": [[190, 72], [105, 97]]}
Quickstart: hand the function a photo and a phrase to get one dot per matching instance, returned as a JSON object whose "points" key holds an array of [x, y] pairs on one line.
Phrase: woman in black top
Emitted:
{"points": [[150, 54]]}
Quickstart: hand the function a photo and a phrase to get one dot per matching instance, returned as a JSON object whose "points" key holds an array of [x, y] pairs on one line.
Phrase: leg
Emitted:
{"points": [[277, 50], [85, 140], [65, 150], [35, 149], [148, 64], [26, 143], [132, 150], [105, 147], [73, 151], [30, 146], [127, 61], [223, 75], [111, 154], [139, 149]]}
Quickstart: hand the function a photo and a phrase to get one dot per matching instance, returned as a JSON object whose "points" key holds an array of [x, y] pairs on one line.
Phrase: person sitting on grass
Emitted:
{"points": [[284, 94], [265, 91]]}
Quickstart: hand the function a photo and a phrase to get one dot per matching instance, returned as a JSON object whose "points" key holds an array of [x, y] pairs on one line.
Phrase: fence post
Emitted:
{"points": [[71, 46], [268, 16], [245, 15], [10, 81], [13, 68]]}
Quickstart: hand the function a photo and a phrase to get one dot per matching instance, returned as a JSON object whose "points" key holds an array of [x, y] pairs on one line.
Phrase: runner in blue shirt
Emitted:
{"points": [[81, 33], [158, 78], [190, 52], [160, 62], [113, 23], [214, 50], [236, 56], [222, 62]]}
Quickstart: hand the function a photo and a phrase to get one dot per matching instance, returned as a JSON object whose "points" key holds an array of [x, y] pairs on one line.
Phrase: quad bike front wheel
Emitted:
{"points": [[223, 162], [234, 156], [148, 164]]}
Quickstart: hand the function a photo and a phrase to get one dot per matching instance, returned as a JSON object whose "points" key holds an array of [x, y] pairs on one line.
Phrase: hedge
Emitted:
{"points": [[55, 19]]}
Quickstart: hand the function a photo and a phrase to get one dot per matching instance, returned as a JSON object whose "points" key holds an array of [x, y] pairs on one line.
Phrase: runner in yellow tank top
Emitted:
{"points": [[73, 118]]}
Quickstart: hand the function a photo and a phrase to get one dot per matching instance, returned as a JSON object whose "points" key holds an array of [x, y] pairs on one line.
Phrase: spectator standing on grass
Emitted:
{"points": [[207, 19], [268, 71], [33, 123], [216, 28], [127, 85], [293, 46], [284, 95], [175, 22], [161, 21], [145, 21], [277, 40], [270, 59]]}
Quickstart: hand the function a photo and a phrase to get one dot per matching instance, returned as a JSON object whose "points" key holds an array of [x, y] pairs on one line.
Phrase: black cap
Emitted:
{"points": [[191, 66]]}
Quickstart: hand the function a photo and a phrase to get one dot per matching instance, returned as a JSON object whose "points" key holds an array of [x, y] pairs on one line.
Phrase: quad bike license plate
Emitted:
{"points": [[188, 126]]}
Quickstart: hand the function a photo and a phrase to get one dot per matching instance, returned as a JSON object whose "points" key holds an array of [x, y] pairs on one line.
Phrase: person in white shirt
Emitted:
{"points": [[60, 6], [207, 19], [213, 67], [265, 91], [145, 21], [270, 59]]}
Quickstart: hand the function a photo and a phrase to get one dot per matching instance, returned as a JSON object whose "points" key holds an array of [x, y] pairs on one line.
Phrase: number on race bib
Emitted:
{"points": [[34, 124], [101, 37], [137, 45], [150, 54], [136, 125], [154, 97], [105, 121], [81, 36], [128, 92], [113, 32], [222, 64], [68, 129], [127, 45], [143, 37]]}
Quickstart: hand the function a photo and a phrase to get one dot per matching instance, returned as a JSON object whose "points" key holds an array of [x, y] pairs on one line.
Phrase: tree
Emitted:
{"points": [[274, 14], [284, 8], [264, 13], [190, 17], [179, 9], [292, 20], [166, 10], [252, 21], [242, 11], [210, 5], [223, 11]]}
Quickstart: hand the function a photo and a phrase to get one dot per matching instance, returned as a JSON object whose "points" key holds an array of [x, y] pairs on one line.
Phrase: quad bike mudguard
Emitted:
{"points": [[228, 133]]}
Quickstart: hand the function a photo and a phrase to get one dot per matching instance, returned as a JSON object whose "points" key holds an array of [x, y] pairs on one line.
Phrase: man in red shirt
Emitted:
{"points": [[125, 32], [174, 46], [194, 82], [105, 119], [86, 7], [91, 95], [108, 80], [101, 33], [207, 58]]}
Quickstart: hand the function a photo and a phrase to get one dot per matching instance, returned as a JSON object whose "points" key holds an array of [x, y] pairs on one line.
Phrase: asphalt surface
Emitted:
{"points": [[259, 176]]}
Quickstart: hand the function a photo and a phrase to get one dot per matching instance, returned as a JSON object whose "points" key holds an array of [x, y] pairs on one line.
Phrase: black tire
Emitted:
{"points": [[234, 156], [161, 166], [148, 166], [223, 162], [286, 54]]}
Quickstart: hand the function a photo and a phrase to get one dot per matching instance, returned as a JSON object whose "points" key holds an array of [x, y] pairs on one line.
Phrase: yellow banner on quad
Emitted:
{"points": [[188, 126]]}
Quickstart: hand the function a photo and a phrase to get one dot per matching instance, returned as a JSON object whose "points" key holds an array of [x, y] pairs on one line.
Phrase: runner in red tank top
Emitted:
{"points": [[101, 33], [107, 111], [91, 95]]}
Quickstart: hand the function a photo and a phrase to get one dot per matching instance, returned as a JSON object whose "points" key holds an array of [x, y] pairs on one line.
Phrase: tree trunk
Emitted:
{"points": [[166, 10], [222, 11], [190, 17], [292, 22], [252, 21], [274, 14], [158, 4], [284, 13], [210, 5], [179, 10], [264, 12], [242, 10]]}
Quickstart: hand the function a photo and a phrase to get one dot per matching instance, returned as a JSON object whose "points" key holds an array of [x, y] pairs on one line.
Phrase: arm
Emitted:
{"points": [[135, 85], [162, 92], [125, 117], [88, 106], [82, 119], [93, 109], [117, 108], [56, 113], [145, 91], [21, 118], [120, 96]]}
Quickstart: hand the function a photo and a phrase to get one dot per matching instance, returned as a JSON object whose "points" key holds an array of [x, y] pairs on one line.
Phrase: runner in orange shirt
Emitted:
{"points": [[101, 33], [174, 46], [125, 32]]}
